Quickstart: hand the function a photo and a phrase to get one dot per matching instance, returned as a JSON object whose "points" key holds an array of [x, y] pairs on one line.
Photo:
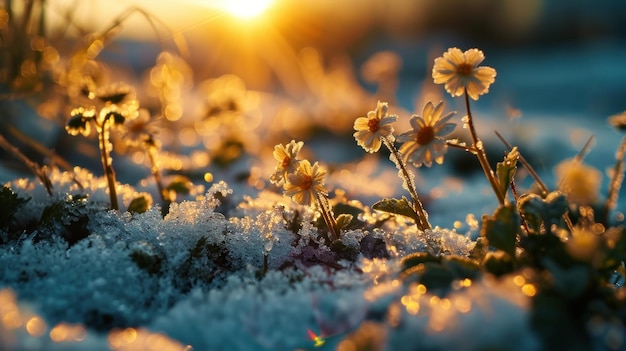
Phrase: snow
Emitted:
{"points": [[221, 302], [194, 279]]}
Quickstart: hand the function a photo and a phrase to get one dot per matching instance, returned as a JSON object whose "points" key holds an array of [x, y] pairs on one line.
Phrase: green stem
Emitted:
{"points": [[156, 173], [423, 223], [154, 169], [106, 164], [479, 150], [616, 180]]}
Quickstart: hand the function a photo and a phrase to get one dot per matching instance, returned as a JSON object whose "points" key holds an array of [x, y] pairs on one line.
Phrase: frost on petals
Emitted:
{"points": [[286, 155], [306, 183], [459, 71], [580, 182], [371, 129], [425, 142]]}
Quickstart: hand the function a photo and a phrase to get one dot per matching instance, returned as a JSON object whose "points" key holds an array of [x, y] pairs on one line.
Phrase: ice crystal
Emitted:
{"points": [[465, 121]]}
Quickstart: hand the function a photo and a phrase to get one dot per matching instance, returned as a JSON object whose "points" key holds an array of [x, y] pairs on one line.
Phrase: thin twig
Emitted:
{"points": [[179, 41], [585, 149], [109, 173], [418, 208], [616, 180], [37, 170], [455, 144], [516, 197], [37, 146]]}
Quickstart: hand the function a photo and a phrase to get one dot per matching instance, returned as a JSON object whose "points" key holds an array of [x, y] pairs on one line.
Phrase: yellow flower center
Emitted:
{"points": [[137, 127], [425, 135], [372, 124], [464, 69], [286, 162], [307, 181]]}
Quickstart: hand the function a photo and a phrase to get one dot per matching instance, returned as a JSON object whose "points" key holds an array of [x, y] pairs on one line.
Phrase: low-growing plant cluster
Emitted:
{"points": [[549, 259]]}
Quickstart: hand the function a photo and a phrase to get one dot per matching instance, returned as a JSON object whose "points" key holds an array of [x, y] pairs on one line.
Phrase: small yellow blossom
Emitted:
{"points": [[140, 130], [459, 71], [580, 182], [306, 184], [377, 125], [286, 155], [118, 101], [583, 244], [425, 143], [618, 121]]}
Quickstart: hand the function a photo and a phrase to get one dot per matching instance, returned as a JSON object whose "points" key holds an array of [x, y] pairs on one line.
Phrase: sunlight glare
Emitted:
{"points": [[243, 9]]}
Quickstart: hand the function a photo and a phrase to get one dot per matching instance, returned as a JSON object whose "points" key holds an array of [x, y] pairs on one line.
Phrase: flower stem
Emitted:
{"points": [[106, 162], [479, 150], [423, 223], [327, 215], [616, 180], [156, 173]]}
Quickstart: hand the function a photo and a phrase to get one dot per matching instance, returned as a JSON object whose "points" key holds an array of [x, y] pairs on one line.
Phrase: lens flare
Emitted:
{"points": [[243, 9]]}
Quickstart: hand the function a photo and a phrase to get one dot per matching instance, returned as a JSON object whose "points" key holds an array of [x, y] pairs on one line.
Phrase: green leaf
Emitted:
{"points": [[118, 118], [480, 249], [571, 282], [139, 204], [76, 122], [414, 259], [180, 185], [501, 229], [400, 207], [10, 203], [349, 209], [498, 263], [546, 212], [343, 220], [114, 98], [461, 267], [67, 218], [151, 263], [532, 208], [506, 170], [197, 250]]}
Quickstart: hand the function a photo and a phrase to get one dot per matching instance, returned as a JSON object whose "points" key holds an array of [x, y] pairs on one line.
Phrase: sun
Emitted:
{"points": [[243, 9]]}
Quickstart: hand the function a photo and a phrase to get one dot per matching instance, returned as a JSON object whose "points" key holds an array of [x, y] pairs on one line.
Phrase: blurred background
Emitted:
{"points": [[544, 41], [226, 80]]}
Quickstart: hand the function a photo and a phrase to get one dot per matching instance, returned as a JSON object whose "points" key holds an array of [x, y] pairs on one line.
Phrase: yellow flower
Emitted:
{"points": [[583, 244], [459, 72], [580, 182], [306, 183], [286, 155], [377, 125], [425, 143], [618, 121], [140, 130], [118, 101]]}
